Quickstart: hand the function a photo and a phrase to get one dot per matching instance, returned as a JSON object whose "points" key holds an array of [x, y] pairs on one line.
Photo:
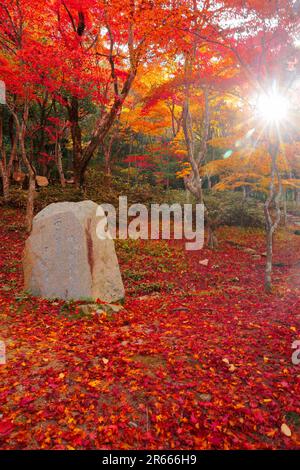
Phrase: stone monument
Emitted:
{"points": [[65, 259]]}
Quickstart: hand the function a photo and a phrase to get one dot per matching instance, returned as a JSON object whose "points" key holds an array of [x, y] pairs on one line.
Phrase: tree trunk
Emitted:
{"points": [[73, 110], [41, 144], [14, 162], [31, 189], [269, 261], [284, 196], [107, 148], [212, 241], [297, 197], [60, 168], [82, 157], [208, 182], [21, 131], [4, 171], [194, 181], [107, 168], [5, 181], [58, 161], [272, 222], [30, 202]]}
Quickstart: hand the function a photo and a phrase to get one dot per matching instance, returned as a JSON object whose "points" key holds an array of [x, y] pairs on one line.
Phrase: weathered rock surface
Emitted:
{"points": [[64, 258], [110, 309]]}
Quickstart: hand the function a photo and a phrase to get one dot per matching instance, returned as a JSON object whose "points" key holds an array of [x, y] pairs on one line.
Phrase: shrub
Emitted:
{"points": [[99, 189], [230, 208], [45, 196], [225, 208]]}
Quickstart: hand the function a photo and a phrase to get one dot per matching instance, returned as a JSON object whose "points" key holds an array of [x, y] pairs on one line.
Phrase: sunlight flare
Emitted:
{"points": [[272, 107]]}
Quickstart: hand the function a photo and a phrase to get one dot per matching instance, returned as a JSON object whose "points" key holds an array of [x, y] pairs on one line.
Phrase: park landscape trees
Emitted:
{"points": [[162, 99]]}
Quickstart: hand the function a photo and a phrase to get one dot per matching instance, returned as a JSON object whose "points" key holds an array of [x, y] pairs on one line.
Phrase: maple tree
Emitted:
{"points": [[81, 53], [273, 62]]}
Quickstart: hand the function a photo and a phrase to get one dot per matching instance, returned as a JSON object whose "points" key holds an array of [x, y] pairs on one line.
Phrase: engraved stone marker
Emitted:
{"points": [[65, 259]]}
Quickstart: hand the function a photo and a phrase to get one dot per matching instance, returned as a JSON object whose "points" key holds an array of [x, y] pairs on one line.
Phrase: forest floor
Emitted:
{"points": [[198, 358]]}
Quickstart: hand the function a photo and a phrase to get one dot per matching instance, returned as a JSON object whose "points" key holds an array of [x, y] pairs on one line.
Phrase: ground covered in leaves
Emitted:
{"points": [[198, 358]]}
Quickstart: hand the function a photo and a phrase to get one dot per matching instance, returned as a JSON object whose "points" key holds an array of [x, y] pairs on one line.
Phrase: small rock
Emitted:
{"points": [[88, 309], [109, 309], [250, 251], [115, 308], [205, 397], [204, 262], [286, 430], [132, 424], [41, 181]]}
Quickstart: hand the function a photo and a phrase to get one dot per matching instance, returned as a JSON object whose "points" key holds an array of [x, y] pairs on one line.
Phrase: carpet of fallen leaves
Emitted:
{"points": [[199, 358]]}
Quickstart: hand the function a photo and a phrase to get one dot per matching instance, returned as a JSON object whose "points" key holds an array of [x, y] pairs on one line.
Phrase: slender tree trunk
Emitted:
{"points": [[41, 144], [107, 149], [5, 181], [58, 159], [21, 132], [6, 167], [269, 263], [297, 197], [284, 197], [272, 222], [14, 162], [107, 169], [212, 241], [209, 182], [30, 202], [73, 110], [194, 181], [32, 174], [81, 158], [4, 170]]}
